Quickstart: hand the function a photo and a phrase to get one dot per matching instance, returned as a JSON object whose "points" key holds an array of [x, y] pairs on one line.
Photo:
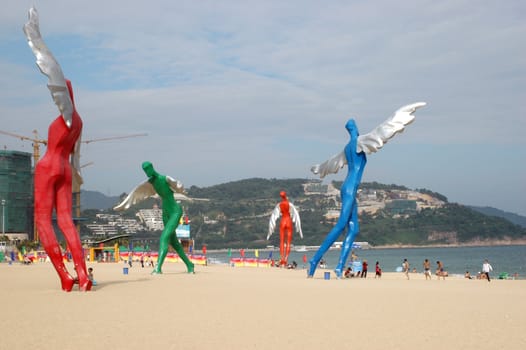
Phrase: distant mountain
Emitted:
{"points": [[97, 200], [514, 218], [236, 215]]}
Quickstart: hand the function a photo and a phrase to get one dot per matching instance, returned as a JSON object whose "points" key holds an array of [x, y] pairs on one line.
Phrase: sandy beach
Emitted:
{"points": [[221, 307]]}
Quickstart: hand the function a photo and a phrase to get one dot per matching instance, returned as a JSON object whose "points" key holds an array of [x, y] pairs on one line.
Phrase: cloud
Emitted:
{"points": [[242, 89]]}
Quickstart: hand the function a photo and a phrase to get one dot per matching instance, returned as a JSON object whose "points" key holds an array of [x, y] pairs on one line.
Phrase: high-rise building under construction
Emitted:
{"points": [[16, 192]]}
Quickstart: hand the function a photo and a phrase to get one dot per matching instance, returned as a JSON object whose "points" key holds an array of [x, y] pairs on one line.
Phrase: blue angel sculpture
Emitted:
{"points": [[354, 156]]}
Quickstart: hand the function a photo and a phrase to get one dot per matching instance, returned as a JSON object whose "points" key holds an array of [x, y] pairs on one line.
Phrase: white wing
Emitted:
{"points": [[373, 141], [330, 166], [49, 67], [138, 194], [276, 213], [295, 215]]}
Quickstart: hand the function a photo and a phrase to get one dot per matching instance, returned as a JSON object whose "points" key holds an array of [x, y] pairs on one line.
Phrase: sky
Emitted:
{"points": [[229, 90]]}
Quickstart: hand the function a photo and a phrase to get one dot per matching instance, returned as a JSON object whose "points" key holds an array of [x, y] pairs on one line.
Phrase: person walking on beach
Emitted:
{"points": [[427, 269], [405, 268], [486, 268]]}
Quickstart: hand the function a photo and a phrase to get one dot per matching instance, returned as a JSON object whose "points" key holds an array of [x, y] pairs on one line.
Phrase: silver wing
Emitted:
{"points": [[178, 189], [295, 218], [175, 185], [138, 194], [276, 213], [373, 141], [75, 165], [49, 66], [331, 165]]}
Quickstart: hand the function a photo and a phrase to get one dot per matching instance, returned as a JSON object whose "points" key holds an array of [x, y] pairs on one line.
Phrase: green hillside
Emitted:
{"points": [[242, 210], [236, 214]]}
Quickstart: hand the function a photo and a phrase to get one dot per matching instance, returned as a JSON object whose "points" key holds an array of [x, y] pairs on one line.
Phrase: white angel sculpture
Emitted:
{"points": [[354, 156], [165, 187], [289, 214]]}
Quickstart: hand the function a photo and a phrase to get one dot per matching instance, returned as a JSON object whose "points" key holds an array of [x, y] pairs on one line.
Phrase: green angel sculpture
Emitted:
{"points": [[165, 187]]}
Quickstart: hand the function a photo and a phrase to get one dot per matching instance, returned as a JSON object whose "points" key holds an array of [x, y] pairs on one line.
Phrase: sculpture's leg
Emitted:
{"points": [[327, 243], [180, 251], [164, 241], [44, 203], [168, 237], [288, 237], [352, 231], [65, 222], [331, 237], [281, 244], [52, 248]]}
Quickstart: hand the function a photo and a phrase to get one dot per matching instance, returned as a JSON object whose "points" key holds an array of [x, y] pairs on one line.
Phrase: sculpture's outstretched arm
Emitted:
{"points": [[374, 140], [295, 215], [276, 213], [49, 66], [138, 194]]}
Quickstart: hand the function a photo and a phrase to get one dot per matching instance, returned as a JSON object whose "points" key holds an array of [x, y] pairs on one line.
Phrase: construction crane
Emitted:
{"points": [[37, 141], [76, 185]]}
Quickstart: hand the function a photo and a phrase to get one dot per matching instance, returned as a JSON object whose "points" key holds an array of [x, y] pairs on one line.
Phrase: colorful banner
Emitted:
{"points": [[197, 259], [41, 256], [249, 262]]}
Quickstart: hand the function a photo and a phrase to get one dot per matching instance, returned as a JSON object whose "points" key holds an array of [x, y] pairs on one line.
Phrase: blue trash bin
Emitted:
{"points": [[125, 270], [327, 275]]}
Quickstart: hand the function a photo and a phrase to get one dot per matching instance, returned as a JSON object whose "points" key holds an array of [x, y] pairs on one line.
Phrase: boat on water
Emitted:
{"points": [[300, 248]]}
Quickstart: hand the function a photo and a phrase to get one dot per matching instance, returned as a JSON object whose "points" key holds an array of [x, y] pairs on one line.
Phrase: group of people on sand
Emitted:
{"points": [[439, 272], [349, 272]]}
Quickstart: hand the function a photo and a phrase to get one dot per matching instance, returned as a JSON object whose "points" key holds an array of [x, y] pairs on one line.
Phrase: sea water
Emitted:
{"points": [[456, 260]]}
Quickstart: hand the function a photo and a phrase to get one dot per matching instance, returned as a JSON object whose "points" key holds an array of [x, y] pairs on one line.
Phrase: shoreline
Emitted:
{"points": [[499, 243]]}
